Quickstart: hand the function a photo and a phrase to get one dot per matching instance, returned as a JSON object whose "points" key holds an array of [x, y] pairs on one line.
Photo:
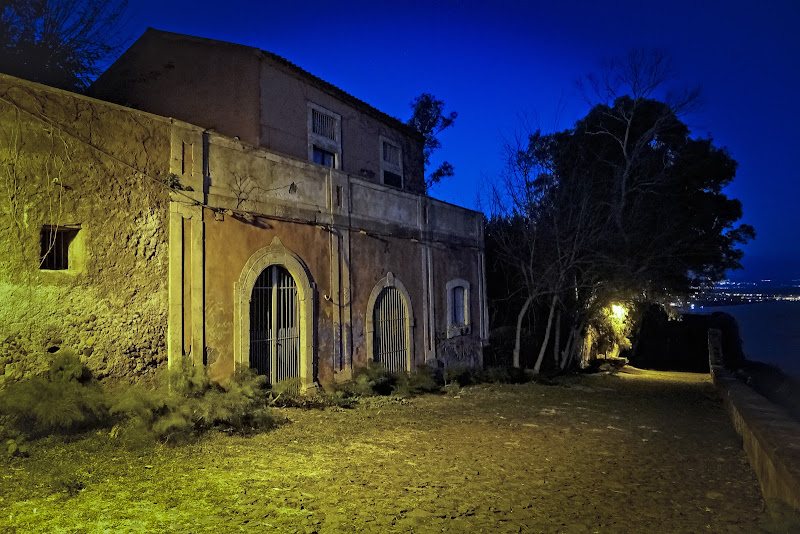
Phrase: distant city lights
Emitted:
{"points": [[729, 293]]}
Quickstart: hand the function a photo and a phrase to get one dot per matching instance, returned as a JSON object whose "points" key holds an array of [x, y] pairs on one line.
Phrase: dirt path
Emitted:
{"points": [[645, 452]]}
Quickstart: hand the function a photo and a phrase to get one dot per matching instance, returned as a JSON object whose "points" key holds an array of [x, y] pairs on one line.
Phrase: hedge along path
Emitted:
{"points": [[628, 453]]}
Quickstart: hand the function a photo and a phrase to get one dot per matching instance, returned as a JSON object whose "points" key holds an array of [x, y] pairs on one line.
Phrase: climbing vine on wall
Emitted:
{"points": [[32, 188]]}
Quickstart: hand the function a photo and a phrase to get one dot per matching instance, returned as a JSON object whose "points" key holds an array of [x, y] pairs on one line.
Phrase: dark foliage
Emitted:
{"points": [[422, 380], [67, 400], [672, 345], [461, 375], [668, 223], [624, 207], [188, 404], [504, 375], [430, 119], [61, 43], [375, 379]]}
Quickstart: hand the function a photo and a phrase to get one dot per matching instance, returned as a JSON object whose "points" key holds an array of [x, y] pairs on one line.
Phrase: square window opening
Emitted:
{"points": [[391, 154], [324, 136], [56, 248], [391, 160], [323, 157], [392, 179]]}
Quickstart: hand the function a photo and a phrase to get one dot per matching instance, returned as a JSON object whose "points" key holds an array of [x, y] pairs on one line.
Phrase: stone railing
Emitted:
{"points": [[770, 436]]}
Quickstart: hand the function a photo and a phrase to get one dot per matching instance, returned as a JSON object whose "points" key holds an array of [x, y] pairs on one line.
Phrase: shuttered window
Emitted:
{"points": [[324, 125]]}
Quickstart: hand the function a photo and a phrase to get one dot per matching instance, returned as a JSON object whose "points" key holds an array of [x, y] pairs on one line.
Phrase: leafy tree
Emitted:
{"points": [[430, 119], [61, 43], [625, 206]]}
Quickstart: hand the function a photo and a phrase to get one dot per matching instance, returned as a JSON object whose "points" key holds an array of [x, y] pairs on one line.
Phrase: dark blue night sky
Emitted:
{"points": [[502, 63]]}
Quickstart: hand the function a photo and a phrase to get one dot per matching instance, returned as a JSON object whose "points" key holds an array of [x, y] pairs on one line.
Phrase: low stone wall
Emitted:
{"points": [[770, 437]]}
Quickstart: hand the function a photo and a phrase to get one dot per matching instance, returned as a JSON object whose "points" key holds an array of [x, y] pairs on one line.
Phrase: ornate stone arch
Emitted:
{"points": [[275, 254], [390, 281]]}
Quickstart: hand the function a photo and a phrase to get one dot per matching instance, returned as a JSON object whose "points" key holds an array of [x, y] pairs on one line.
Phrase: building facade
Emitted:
{"points": [[272, 222]]}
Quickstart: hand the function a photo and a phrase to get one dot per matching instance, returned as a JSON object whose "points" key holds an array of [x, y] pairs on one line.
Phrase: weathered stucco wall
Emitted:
{"points": [[230, 242], [70, 160], [175, 222], [349, 234], [240, 91], [284, 114], [168, 219], [209, 83], [373, 257], [452, 263]]}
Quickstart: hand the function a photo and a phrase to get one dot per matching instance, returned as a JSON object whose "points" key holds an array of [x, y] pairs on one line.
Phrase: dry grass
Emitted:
{"points": [[643, 452]]}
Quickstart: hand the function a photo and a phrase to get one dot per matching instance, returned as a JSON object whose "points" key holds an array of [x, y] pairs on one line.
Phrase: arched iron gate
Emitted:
{"points": [[390, 346], [275, 325]]}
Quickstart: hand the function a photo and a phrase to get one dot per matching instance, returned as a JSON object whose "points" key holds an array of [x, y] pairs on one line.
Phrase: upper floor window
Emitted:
{"points": [[323, 157], [457, 308], [324, 136], [391, 163]]}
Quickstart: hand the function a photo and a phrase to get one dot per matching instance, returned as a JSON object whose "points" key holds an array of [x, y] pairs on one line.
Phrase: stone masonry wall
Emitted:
{"points": [[67, 160]]}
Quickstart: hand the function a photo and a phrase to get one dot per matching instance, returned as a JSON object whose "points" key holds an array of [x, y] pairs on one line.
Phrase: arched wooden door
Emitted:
{"points": [[275, 325], [390, 320]]}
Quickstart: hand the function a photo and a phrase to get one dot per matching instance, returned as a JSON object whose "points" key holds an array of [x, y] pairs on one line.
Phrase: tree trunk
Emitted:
{"points": [[567, 354], [518, 340], [557, 338], [636, 337], [575, 345], [546, 335], [570, 356]]}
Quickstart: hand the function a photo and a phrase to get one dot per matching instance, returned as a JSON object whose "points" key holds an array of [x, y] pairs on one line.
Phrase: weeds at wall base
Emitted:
{"points": [[375, 381], [68, 401]]}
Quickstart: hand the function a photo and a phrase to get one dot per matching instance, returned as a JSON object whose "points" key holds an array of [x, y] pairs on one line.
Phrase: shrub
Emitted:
{"points": [[14, 443], [422, 380], [289, 393], [372, 379], [187, 403], [68, 399], [503, 375], [461, 375]]}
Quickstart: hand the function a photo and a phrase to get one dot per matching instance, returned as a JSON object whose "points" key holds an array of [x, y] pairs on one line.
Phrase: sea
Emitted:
{"points": [[770, 331]]}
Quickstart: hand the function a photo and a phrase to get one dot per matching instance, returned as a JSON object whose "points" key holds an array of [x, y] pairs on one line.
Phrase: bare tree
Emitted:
{"points": [[61, 43], [543, 229]]}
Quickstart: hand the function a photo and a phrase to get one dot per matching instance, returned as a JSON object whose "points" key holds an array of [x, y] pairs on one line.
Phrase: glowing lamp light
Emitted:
{"points": [[619, 311]]}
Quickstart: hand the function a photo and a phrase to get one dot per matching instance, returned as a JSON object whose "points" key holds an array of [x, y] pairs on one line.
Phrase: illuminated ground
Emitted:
{"points": [[643, 452]]}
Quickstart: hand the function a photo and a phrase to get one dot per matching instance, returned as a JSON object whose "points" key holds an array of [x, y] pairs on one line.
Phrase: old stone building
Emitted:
{"points": [[280, 227]]}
